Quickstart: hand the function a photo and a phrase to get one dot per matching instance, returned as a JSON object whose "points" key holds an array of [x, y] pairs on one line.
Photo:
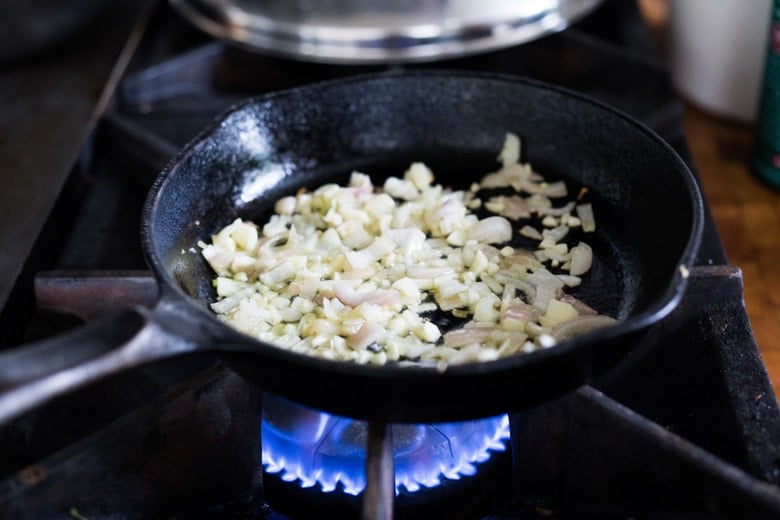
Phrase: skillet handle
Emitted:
{"points": [[34, 373]]}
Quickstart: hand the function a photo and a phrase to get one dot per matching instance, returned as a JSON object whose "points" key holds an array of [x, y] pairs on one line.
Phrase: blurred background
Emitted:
{"points": [[720, 126]]}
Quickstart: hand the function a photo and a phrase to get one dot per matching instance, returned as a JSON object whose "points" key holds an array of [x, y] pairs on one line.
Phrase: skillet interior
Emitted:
{"points": [[647, 208]]}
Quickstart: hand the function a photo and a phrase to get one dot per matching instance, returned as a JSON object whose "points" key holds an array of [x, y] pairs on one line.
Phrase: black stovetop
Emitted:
{"points": [[687, 426]]}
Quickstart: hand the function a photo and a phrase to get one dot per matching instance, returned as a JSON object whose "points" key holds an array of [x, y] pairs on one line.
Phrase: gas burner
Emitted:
{"points": [[312, 448]]}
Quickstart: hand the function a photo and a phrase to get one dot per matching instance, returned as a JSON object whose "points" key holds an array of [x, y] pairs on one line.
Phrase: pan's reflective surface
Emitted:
{"points": [[381, 31]]}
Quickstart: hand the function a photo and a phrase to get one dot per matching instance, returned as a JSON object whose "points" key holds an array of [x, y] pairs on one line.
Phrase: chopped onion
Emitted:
{"points": [[365, 335], [510, 152], [348, 296], [585, 214], [530, 232], [349, 272], [581, 259], [553, 189], [491, 230]]}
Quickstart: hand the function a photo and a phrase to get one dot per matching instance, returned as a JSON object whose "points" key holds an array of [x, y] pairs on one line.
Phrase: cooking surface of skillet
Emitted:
{"points": [[648, 211]]}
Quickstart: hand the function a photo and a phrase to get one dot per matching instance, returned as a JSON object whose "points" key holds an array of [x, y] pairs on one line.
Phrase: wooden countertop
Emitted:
{"points": [[747, 215]]}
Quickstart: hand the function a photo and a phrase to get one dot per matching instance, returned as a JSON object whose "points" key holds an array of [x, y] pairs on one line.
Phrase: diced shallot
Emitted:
{"points": [[468, 335], [585, 214], [365, 335], [349, 296], [492, 230], [581, 259], [350, 272]]}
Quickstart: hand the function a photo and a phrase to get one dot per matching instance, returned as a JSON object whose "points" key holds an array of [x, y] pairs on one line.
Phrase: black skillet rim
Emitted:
{"points": [[660, 308]]}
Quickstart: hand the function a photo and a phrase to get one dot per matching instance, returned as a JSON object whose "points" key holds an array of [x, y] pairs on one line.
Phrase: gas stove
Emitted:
{"points": [[686, 427]]}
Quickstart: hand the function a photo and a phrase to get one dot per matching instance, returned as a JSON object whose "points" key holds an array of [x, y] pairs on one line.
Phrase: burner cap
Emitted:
{"points": [[380, 31]]}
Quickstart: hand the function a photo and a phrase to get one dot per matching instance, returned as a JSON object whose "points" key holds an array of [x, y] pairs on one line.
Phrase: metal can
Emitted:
{"points": [[766, 161]]}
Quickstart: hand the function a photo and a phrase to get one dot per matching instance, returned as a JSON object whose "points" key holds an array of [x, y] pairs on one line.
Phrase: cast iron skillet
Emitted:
{"points": [[648, 208]]}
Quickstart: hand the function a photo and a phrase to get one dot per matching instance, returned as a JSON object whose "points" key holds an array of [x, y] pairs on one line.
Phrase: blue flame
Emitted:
{"points": [[315, 448]]}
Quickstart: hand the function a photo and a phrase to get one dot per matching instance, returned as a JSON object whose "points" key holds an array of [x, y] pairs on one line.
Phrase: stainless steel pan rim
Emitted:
{"points": [[380, 31]]}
